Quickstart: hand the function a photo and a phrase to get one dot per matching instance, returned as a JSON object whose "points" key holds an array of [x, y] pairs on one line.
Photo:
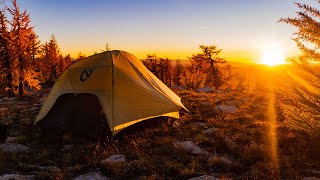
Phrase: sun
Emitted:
{"points": [[273, 55]]}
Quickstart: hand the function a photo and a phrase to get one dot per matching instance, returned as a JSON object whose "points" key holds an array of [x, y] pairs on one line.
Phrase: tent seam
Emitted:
{"points": [[151, 83]]}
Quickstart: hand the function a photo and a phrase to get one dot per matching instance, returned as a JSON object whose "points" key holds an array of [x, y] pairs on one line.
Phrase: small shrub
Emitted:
{"points": [[219, 163]]}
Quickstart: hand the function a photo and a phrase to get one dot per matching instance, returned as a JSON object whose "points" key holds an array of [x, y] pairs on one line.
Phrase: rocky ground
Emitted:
{"points": [[227, 135]]}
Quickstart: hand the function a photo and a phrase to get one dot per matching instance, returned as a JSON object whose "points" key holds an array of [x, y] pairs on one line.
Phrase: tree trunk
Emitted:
{"points": [[21, 92], [8, 76], [21, 88], [217, 80], [178, 76], [9, 87]]}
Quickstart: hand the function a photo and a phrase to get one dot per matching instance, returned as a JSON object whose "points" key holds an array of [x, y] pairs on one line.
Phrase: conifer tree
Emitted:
{"points": [[204, 69], [151, 63], [168, 72], [52, 61], [5, 64], [177, 72], [23, 38], [303, 96], [160, 67], [67, 61]]}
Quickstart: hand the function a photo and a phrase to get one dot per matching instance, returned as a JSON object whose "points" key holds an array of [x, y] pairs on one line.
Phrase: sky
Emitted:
{"points": [[169, 28]]}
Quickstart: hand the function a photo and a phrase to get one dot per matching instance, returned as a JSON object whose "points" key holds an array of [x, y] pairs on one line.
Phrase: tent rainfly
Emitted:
{"points": [[112, 86]]}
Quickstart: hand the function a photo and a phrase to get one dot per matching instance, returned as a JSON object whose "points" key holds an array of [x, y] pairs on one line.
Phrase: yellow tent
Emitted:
{"points": [[126, 90]]}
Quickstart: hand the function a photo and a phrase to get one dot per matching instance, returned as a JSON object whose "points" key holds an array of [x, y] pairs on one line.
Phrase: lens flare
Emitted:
{"points": [[273, 55]]}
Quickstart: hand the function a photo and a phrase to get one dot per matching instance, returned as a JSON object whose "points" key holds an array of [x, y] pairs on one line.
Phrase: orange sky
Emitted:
{"points": [[235, 55], [169, 28]]}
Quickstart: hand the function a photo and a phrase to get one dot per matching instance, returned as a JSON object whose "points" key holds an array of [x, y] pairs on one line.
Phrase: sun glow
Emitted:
{"points": [[273, 55]]}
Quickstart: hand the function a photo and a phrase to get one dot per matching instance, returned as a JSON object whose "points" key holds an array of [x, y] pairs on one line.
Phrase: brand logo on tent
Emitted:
{"points": [[85, 74]]}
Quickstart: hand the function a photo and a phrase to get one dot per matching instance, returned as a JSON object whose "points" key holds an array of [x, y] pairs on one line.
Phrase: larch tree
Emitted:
{"points": [[67, 61], [51, 60], [160, 67], [80, 57], [303, 96], [204, 69], [5, 61], [23, 38], [151, 63], [177, 72], [168, 72], [34, 47]]}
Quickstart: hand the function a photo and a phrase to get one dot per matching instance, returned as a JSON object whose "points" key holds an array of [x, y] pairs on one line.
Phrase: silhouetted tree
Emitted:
{"points": [[67, 61], [168, 72], [107, 46], [160, 67], [177, 72], [204, 69], [80, 57], [151, 63], [303, 105]]}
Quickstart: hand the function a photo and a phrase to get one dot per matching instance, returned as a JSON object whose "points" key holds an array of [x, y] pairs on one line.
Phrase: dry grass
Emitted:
{"points": [[237, 141]]}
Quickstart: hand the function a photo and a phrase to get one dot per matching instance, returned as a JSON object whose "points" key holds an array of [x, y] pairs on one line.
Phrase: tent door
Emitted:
{"points": [[78, 114]]}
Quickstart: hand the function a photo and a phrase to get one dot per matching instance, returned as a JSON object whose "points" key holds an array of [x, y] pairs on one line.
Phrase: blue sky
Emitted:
{"points": [[172, 28]]}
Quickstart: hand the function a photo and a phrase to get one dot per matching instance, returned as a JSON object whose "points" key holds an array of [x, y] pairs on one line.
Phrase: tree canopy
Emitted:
{"points": [[303, 107]]}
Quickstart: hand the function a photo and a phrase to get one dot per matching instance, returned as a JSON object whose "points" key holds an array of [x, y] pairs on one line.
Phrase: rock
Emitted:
{"points": [[17, 177], [200, 124], [233, 103], [176, 124], [40, 168], [49, 168], [76, 167], [114, 159], [204, 177], [8, 99], [92, 176], [227, 109], [14, 148], [41, 100], [189, 146], [3, 110], [310, 178], [178, 87], [34, 109], [205, 89], [10, 139], [36, 105], [210, 130], [16, 133], [207, 103], [219, 160], [313, 171], [230, 143], [150, 177], [26, 121], [68, 147]]}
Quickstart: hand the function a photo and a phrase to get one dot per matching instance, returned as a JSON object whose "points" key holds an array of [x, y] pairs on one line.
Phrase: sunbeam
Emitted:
{"points": [[272, 131]]}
